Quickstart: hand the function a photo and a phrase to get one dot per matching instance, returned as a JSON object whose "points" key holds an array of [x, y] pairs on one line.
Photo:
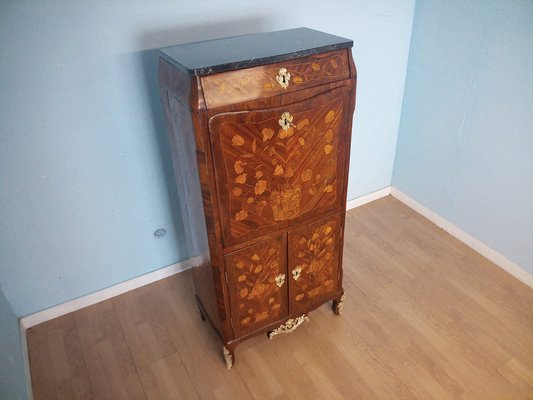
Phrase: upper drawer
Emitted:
{"points": [[274, 79]]}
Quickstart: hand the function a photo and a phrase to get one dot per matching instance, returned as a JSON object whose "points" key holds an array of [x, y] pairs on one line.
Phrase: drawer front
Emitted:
{"points": [[257, 285], [313, 264], [269, 175], [266, 80]]}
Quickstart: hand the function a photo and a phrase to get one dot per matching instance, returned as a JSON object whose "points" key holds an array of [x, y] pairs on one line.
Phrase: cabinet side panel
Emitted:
{"points": [[347, 146], [184, 157]]}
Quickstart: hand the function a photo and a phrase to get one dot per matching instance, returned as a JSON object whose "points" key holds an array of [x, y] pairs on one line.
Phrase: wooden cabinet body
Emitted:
{"points": [[261, 151]]}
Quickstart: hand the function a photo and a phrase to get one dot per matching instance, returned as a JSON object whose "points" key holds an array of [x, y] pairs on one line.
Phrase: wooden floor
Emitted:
{"points": [[425, 318]]}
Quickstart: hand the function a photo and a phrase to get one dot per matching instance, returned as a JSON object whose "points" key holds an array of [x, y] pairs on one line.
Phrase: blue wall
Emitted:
{"points": [[465, 146], [12, 379]]}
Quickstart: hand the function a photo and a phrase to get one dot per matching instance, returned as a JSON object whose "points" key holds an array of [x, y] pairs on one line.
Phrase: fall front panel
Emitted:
{"points": [[279, 165]]}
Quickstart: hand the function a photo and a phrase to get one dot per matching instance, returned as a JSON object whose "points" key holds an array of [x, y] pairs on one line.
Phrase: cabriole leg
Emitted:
{"points": [[338, 305], [228, 351]]}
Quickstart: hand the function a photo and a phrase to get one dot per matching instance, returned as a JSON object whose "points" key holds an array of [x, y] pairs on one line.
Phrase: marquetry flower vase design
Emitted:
{"points": [[279, 166]]}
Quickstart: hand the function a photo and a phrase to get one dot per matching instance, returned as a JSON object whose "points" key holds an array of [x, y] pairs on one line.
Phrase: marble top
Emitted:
{"points": [[220, 55]]}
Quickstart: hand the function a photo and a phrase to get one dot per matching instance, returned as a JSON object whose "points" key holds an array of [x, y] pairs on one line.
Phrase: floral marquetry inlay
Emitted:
{"points": [[256, 277], [267, 80], [278, 173], [313, 250]]}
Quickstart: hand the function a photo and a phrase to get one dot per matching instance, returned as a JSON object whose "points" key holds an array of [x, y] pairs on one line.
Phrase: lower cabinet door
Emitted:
{"points": [[313, 265], [257, 285]]}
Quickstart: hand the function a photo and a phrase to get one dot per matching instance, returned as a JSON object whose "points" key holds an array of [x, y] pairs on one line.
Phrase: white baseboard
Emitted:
{"points": [[25, 355], [499, 259], [104, 294], [367, 198]]}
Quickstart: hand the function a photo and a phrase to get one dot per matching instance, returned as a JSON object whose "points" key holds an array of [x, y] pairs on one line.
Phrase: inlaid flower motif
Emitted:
{"points": [[330, 116], [238, 166], [240, 264], [297, 79], [307, 175], [302, 124], [241, 178], [328, 148], [258, 290], [333, 63], [282, 134], [260, 187], [250, 200], [289, 172], [255, 257], [237, 140], [267, 134], [315, 66], [243, 214], [302, 141], [279, 170], [258, 174], [328, 135], [328, 189], [237, 191]]}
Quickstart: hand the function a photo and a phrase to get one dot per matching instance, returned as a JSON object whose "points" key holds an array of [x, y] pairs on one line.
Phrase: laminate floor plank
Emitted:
{"points": [[110, 365], [425, 317], [58, 366], [198, 344]]}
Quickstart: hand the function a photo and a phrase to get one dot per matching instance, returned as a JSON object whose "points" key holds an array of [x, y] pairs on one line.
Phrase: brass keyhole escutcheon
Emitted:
{"points": [[283, 78], [296, 272], [280, 280], [286, 121]]}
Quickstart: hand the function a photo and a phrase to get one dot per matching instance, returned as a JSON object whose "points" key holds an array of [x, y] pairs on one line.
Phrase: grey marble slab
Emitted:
{"points": [[220, 55]]}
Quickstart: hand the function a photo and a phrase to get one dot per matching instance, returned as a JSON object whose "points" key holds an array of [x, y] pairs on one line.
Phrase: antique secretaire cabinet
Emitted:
{"points": [[259, 128]]}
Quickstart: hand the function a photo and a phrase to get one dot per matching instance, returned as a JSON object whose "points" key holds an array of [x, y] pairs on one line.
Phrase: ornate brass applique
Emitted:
{"points": [[340, 306], [280, 280], [296, 272], [288, 326], [285, 121], [227, 357], [283, 78]]}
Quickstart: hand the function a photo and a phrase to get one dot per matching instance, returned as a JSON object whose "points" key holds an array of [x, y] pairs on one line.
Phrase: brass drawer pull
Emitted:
{"points": [[280, 280], [286, 121], [296, 272], [283, 78]]}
